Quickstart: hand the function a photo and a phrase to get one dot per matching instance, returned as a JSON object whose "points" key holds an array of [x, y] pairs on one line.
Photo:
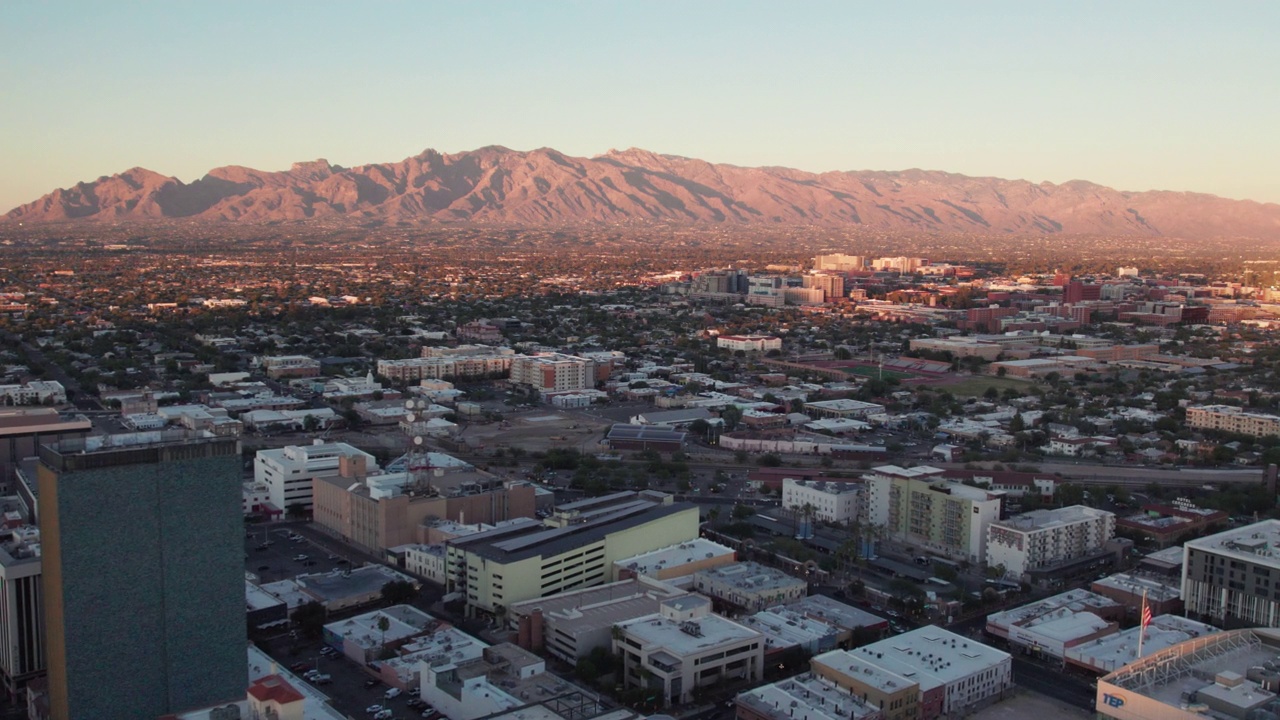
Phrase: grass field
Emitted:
{"points": [[875, 372], [976, 385]]}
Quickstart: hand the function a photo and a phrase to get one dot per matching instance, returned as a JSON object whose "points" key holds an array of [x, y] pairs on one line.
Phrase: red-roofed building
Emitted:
{"points": [[273, 696]]}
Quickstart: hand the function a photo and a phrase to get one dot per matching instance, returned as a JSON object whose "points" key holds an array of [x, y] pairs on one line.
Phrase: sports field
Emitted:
{"points": [[866, 371]]}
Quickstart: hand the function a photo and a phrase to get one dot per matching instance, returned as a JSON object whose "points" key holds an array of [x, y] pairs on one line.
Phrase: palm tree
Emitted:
{"points": [[383, 625]]}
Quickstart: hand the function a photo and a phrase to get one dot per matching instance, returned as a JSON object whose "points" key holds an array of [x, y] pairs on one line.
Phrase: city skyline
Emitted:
{"points": [[1137, 97]]}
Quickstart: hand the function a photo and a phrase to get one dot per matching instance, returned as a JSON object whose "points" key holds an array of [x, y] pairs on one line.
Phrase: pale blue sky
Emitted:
{"points": [[1135, 95]]}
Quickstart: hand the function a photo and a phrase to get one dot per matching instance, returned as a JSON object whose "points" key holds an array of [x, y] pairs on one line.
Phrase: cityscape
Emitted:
{"points": [[502, 434]]}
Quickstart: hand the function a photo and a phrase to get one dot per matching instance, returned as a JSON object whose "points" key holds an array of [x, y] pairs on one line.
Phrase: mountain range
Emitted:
{"points": [[545, 187]]}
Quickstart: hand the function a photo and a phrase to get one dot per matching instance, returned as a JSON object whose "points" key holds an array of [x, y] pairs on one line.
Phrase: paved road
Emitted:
{"points": [[1052, 682]]}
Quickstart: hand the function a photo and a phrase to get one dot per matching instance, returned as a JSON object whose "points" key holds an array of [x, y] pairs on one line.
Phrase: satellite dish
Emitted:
{"points": [[417, 440], [408, 404], [410, 417]]}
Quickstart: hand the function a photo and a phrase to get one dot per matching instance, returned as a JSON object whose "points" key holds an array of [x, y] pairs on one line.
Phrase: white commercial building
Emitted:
{"points": [[22, 643], [684, 647], [750, 585], [841, 408], [749, 343], [803, 697], [1110, 653], [829, 500], [1043, 538], [290, 470], [952, 674], [1050, 626]]}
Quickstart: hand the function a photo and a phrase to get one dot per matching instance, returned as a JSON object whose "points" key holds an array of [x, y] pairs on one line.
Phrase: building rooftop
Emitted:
{"points": [[1215, 666], [403, 621], [694, 550], [532, 539], [1113, 652], [339, 585], [602, 606], [750, 576], [1052, 608], [255, 598], [783, 628], [931, 656], [1157, 589], [1258, 543], [1046, 519], [917, 472], [805, 697], [843, 405], [688, 637], [830, 487], [1169, 557], [831, 611], [445, 646]]}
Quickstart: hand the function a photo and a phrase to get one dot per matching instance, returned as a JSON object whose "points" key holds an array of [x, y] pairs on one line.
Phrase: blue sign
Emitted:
{"points": [[1114, 701]]}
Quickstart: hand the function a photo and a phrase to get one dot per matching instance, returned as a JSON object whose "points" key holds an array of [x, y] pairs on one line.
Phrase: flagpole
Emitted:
{"points": [[1142, 624]]}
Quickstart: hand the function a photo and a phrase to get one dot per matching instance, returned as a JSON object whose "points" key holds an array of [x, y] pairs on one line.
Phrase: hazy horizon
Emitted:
{"points": [[1146, 96]]}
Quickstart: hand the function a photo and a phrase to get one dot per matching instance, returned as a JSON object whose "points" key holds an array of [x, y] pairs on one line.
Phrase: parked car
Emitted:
{"points": [[391, 693], [382, 714], [371, 682], [373, 709]]}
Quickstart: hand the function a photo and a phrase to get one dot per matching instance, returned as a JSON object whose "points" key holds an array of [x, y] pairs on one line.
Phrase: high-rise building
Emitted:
{"points": [[1047, 538], [23, 430], [832, 286], [21, 616], [143, 582], [920, 507], [553, 372], [839, 261]]}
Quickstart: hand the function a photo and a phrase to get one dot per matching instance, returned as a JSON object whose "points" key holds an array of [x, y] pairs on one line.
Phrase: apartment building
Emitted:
{"points": [[289, 472], [1232, 578], [684, 647], [829, 500], [921, 675], [749, 343], [1044, 538], [574, 548], [553, 372], [919, 506], [464, 361], [1229, 418]]}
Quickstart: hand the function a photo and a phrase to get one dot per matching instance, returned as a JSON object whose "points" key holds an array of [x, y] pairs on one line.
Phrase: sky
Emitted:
{"points": [[1135, 95]]}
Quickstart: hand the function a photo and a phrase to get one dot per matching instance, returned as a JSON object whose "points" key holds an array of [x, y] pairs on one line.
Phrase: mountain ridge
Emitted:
{"points": [[495, 184]]}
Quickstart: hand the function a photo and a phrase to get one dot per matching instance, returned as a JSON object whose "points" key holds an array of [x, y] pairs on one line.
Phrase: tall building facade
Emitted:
{"points": [[1232, 578], [553, 372], [143, 579], [22, 654], [1045, 538], [917, 505]]}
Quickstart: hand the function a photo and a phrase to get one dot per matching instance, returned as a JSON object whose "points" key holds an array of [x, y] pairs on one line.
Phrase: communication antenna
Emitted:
{"points": [[419, 459]]}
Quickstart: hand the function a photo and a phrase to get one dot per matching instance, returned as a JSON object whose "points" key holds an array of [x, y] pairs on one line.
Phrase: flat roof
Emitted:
{"points": [[528, 540], [1257, 543], [601, 606], [713, 631], [843, 404], [652, 433], [830, 487], [1072, 601], [1157, 589], [1193, 666], [783, 628], [932, 656], [750, 576], [403, 621], [1110, 653], [339, 585], [255, 598], [805, 697], [694, 550], [1057, 517], [833, 611]]}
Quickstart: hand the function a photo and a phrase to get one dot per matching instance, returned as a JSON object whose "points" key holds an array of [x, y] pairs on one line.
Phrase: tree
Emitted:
{"points": [[732, 415], [398, 592], [383, 625], [310, 423], [309, 618]]}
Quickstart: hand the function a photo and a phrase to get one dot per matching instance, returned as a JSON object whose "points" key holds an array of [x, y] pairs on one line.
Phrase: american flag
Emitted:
{"points": [[1146, 615]]}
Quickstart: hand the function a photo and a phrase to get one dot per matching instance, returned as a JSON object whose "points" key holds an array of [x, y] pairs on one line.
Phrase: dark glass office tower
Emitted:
{"points": [[143, 576]]}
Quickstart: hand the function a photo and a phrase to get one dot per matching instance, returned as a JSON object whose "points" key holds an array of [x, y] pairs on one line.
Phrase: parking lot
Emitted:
{"points": [[348, 686], [272, 556]]}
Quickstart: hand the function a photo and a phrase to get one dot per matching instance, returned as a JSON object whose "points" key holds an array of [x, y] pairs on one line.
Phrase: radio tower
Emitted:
{"points": [[419, 459]]}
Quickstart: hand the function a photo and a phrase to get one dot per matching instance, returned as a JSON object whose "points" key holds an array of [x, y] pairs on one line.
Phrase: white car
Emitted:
{"points": [[392, 692], [374, 709], [383, 715]]}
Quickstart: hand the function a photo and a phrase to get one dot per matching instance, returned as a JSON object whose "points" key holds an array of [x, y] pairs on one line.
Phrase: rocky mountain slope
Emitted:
{"points": [[545, 187]]}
